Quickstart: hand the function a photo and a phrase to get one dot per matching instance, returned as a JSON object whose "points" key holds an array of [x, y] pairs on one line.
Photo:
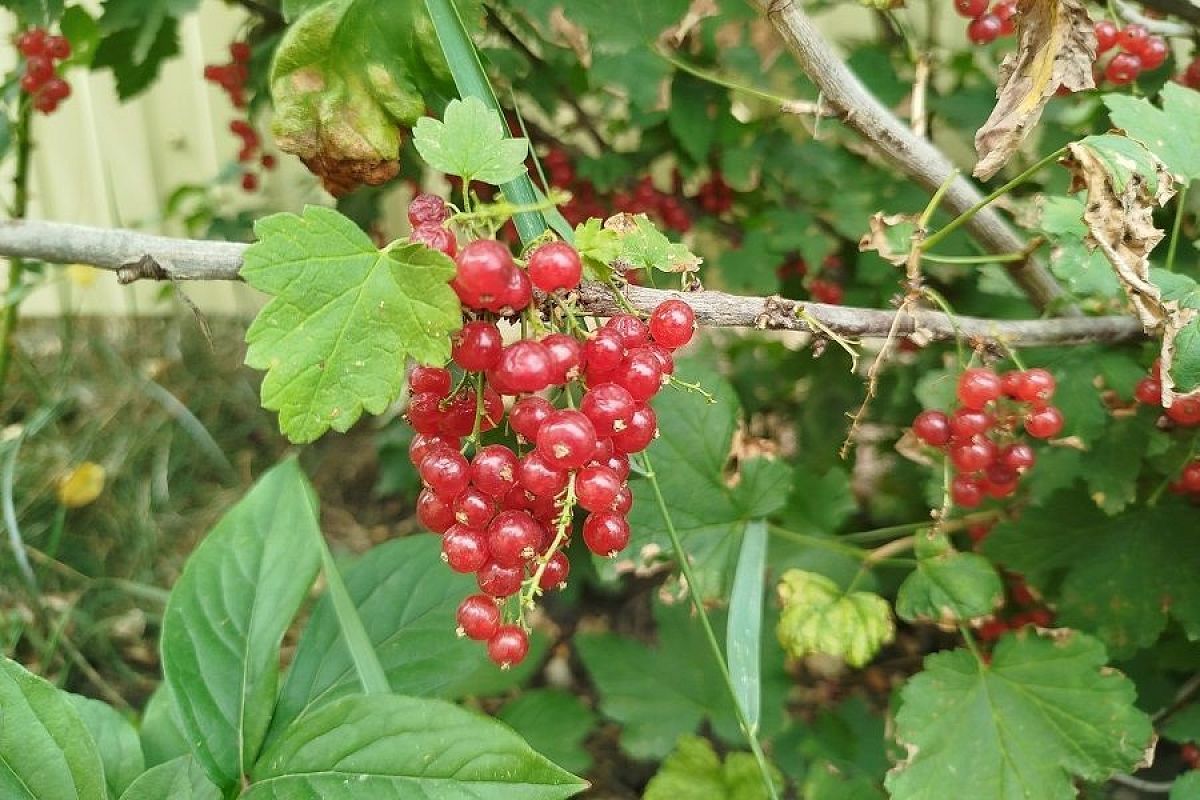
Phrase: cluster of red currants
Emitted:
{"points": [[232, 78], [981, 438], [506, 513], [715, 195], [1022, 607], [825, 286], [1190, 77], [1137, 51], [40, 79], [987, 26], [1184, 412], [586, 201]]}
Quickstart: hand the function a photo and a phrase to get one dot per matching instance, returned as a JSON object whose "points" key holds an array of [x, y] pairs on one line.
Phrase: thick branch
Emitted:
{"points": [[916, 156], [139, 256]]}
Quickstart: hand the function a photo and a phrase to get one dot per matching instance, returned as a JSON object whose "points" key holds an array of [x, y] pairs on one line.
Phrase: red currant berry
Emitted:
{"points": [[984, 29], [473, 508], [546, 508], [538, 476], [499, 581], [494, 470], [429, 379], [427, 209], [57, 89], [826, 292], [46, 104], [478, 617], [1037, 386], [554, 576], [240, 52], [1154, 53], [525, 366], [970, 8], [1017, 456], [967, 422], [605, 533], [484, 268], [618, 463], [518, 499], [423, 444], [1185, 411], [672, 324], [477, 347], [508, 647], [640, 374], [528, 414], [30, 84], [1010, 382], [40, 68], [1106, 36], [1190, 477], [965, 491], [435, 237], [609, 407], [977, 387], [1132, 37], [517, 295], [932, 427], [512, 537], [603, 352], [425, 413], [566, 440], [465, 550], [1000, 481], [666, 361], [973, 455], [446, 472], [1148, 391], [637, 436], [1190, 754], [1123, 68], [566, 354], [624, 501], [555, 265], [58, 48], [597, 488], [1042, 423], [268, 161], [433, 513], [631, 330], [32, 42]]}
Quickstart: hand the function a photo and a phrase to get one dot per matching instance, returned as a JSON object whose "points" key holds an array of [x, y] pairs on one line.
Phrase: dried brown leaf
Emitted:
{"points": [[883, 240], [1056, 46]]}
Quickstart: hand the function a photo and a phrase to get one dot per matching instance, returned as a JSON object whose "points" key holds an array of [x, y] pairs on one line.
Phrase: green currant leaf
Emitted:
{"points": [[555, 723], [1122, 576], [1166, 132], [181, 778], [844, 750], [694, 771], [470, 142], [1043, 712], [818, 617], [1122, 158], [382, 746], [1115, 462], [598, 248], [1186, 787], [116, 740], [644, 246], [137, 37], [948, 586], [45, 749], [344, 317]]}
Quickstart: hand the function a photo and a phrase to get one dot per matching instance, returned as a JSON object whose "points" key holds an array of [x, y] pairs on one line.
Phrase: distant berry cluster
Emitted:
{"points": [[1136, 52], [232, 77], [987, 25], [40, 80]]}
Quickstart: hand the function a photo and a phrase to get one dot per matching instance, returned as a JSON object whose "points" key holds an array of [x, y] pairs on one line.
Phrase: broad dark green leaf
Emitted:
{"points": [[161, 733], [227, 615], [743, 630], [554, 723], [388, 746], [116, 740], [948, 586], [181, 778], [46, 752]]}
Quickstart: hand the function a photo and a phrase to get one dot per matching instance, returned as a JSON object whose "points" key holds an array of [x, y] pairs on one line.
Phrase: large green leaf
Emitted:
{"points": [[1122, 576], [948, 586], [406, 598], [689, 459], [116, 740], [46, 752], [161, 733], [555, 723], [344, 317], [228, 613], [1044, 711], [1167, 132], [181, 778], [388, 746], [471, 143], [694, 771]]}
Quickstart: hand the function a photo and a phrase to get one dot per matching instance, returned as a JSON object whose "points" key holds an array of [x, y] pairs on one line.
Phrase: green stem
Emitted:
{"points": [[999, 258], [366, 661], [717, 80], [966, 216], [698, 604], [16, 266], [941, 303], [1179, 209], [838, 546], [936, 200], [56, 531], [896, 531]]}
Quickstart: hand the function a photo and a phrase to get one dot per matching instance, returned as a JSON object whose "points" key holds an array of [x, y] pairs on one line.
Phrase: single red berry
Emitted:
{"points": [[1123, 68], [428, 209], [605, 533], [435, 237], [473, 508], [429, 379], [965, 491], [1154, 52], [640, 374], [631, 330], [968, 422], [478, 617], [528, 414], [240, 52], [826, 292], [1148, 391], [992, 630], [603, 352], [597, 487], [984, 29], [624, 501], [666, 361], [494, 470], [423, 444], [517, 294], [268, 161], [566, 440], [1132, 37], [433, 513], [484, 268], [30, 84], [1185, 411], [1042, 423], [1036, 386], [40, 68], [637, 436], [1190, 754], [973, 455], [672, 324], [464, 549], [566, 354], [1190, 477], [525, 366], [446, 472], [1000, 481], [1010, 382], [512, 537], [57, 88], [508, 647], [554, 576], [58, 48], [970, 8], [249, 182], [32, 42], [499, 581], [477, 347], [538, 476], [609, 407], [618, 463], [932, 427], [555, 265], [424, 413], [546, 509], [1106, 36], [44, 103], [1017, 456], [977, 387]]}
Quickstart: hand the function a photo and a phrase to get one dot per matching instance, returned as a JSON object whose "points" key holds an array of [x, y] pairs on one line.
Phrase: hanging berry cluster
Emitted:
{"points": [[1022, 608], [506, 513], [40, 79], [1137, 51], [232, 77], [586, 201], [825, 286], [981, 438], [986, 26], [1184, 412]]}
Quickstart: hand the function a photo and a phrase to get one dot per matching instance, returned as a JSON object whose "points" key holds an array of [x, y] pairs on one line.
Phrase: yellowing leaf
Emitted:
{"points": [[82, 485], [818, 617], [1056, 46]]}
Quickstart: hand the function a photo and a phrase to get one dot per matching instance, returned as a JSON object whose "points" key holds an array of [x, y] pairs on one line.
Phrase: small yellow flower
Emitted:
{"points": [[81, 485]]}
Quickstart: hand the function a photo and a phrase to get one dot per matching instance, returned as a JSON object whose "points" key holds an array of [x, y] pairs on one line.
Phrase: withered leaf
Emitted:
{"points": [[890, 235]]}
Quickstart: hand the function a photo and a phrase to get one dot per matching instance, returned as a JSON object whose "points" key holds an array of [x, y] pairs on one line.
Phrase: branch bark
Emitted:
{"points": [[916, 156], [139, 256]]}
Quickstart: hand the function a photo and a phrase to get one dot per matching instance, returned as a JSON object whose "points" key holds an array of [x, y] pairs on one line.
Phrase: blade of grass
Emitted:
{"points": [[743, 629]]}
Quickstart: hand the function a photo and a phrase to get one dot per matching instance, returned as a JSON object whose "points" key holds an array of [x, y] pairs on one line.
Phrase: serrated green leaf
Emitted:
{"points": [[818, 617], [694, 771], [1122, 158], [344, 317], [45, 749], [1166, 132], [819, 502], [181, 778], [1043, 712], [83, 32], [116, 740], [161, 733], [470, 142], [386, 746], [1121, 575], [227, 615], [1085, 269], [644, 246], [948, 586], [554, 723], [598, 248], [623, 25]]}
